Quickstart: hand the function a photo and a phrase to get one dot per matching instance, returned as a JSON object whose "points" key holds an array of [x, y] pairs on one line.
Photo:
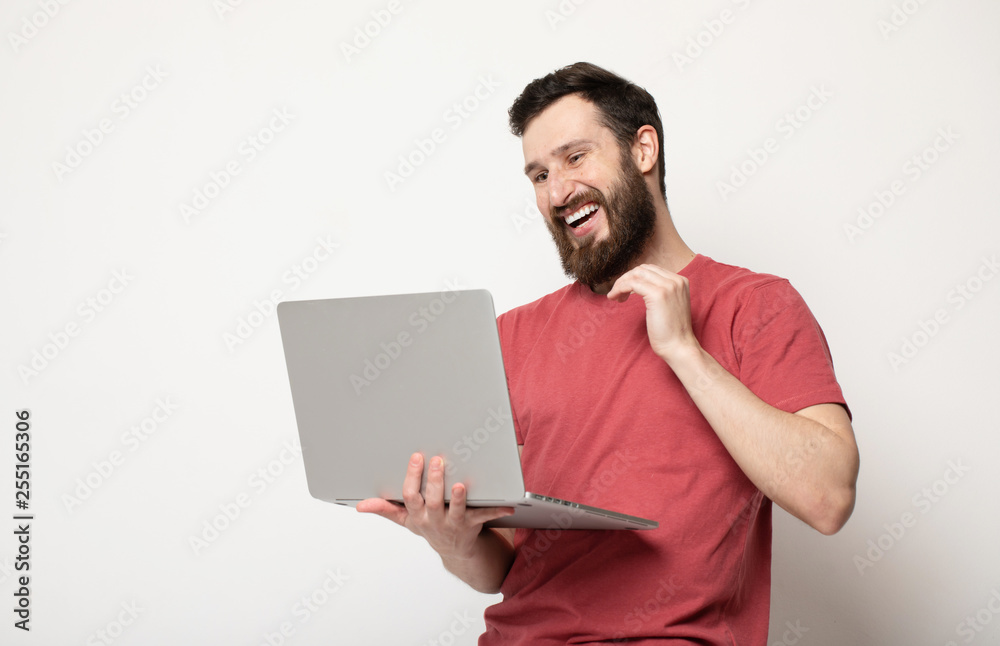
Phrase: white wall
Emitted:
{"points": [[215, 77]]}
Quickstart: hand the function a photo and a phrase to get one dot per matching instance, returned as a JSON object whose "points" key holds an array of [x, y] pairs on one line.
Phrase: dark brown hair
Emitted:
{"points": [[624, 106]]}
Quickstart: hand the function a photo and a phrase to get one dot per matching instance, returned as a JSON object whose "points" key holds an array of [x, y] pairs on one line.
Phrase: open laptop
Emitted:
{"points": [[376, 378]]}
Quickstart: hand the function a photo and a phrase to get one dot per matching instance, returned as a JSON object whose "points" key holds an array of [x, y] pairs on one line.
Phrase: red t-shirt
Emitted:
{"points": [[605, 422]]}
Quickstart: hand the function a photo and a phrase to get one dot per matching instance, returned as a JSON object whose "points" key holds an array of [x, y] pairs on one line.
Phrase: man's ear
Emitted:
{"points": [[646, 149]]}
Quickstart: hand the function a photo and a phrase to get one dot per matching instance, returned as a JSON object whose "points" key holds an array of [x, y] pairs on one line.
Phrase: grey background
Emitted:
{"points": [[215, 77]]}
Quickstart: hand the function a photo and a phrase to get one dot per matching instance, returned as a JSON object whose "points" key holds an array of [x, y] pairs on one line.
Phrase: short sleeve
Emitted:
{"points": [[781, 350]]}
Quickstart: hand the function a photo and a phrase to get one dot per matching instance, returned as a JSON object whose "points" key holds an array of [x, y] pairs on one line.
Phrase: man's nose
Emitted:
{"points": [[560, 189]]}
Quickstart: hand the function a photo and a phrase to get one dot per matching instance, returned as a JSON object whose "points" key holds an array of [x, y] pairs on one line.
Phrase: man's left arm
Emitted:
{"points": [[806, 462]]}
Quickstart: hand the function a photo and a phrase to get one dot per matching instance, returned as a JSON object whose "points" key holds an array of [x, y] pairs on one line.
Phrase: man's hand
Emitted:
{"points": [[668, 308], [820, 490], [453, 529]]}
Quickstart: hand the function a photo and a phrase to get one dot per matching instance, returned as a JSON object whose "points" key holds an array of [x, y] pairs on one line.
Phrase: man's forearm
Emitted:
{"points": [[487, 566], [806, 467]]}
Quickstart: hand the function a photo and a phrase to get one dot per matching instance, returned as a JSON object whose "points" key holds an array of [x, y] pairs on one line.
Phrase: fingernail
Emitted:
{"points": [[436, 462], [415, 459]]}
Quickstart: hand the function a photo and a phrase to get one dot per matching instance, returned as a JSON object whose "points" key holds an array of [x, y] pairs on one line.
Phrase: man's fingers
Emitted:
{"points": [[456, 508], [642, 280], [657, 270], [459, 514], [434, 495], [636, 280], [621, 289], [411, 485], [383, 508], [480, 515]]}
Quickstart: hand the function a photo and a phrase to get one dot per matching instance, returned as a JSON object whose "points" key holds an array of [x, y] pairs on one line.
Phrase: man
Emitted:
{"points": [[662, 384]]}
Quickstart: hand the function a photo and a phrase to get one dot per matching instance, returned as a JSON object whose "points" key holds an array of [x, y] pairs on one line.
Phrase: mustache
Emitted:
{"points": [[589, 195]]}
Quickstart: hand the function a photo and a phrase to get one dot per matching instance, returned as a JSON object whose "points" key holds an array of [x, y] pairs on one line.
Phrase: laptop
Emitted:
{"points": [[375, 379]]}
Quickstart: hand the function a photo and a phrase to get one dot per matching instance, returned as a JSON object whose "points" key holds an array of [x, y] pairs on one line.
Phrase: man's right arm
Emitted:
{"points": [[490, 562], [479, 556]]}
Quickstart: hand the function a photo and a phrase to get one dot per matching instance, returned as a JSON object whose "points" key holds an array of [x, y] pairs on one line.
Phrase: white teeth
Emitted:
{"points": [[585, 211]]}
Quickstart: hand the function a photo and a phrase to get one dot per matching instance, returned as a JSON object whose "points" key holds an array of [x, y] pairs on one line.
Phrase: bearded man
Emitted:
{"points": [[694, 393]]}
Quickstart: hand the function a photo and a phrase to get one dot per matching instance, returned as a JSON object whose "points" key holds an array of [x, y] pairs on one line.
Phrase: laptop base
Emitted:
{"points": [[542, 512]]}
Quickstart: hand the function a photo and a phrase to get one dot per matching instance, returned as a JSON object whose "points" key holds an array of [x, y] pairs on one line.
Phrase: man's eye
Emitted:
{"points": [[541, 177], [575, 158]]}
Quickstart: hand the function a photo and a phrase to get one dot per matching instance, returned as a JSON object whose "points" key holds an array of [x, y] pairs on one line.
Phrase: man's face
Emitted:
{"points": [[596, 203]]}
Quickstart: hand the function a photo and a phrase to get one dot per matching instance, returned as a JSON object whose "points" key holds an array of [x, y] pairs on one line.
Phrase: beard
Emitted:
{"points": [[631, 217]]}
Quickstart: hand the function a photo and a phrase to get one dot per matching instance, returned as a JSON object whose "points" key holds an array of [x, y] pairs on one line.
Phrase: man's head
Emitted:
{"points": [[592, 151]]}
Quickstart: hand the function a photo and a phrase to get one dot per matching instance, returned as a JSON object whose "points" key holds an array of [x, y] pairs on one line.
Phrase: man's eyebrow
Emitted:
{"points": [[558, 152]]}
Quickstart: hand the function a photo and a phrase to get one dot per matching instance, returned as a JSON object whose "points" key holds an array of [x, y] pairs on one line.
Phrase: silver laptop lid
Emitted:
{"points": [[376, 378]]}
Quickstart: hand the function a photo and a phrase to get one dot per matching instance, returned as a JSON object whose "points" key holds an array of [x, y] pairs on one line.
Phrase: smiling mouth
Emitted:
{"points": [[581, 215]]}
